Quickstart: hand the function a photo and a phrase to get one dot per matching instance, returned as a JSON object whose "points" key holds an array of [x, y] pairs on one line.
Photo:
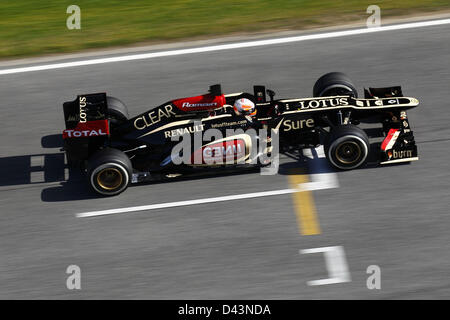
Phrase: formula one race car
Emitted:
{"points": [[207, 131]]}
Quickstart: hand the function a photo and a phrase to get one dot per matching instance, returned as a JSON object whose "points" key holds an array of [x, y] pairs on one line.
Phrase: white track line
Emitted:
{"points": [[37, 162], [186, 203], [194, 202], [320, 181], [336, 263], [317, 168], [231, 46]]}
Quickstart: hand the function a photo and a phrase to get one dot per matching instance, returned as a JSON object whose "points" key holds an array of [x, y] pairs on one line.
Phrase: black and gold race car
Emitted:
{"points": [[205, 132]]}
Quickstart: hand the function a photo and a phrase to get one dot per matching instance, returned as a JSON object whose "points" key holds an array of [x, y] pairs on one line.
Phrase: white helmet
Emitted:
{"points": [[244, 107]]}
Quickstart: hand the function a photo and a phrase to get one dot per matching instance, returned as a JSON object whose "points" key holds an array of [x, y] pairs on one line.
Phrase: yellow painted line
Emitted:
{"points": [[305, 209]]}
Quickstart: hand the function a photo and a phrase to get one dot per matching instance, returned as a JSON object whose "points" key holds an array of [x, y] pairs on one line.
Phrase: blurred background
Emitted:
{"points": [[29, 27]]}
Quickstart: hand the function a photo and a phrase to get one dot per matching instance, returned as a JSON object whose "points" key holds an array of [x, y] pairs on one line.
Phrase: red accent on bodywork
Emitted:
{"points": [[388, 138], [88, 129], [220, 152], [200, 103]]}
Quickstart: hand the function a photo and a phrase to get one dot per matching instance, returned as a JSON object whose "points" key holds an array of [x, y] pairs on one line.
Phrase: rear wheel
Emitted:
{"points": [[347, 147], [109, 172], [334, 84], [117, 111]]}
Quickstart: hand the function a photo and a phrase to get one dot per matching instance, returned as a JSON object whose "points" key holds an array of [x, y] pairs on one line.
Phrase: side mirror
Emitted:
{"points": [[271, 94], [215, 90]]}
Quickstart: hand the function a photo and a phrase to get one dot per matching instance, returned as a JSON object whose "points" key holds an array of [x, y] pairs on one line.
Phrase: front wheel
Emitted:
{"points": [[109, 172], [347, 147], [334, 84]]}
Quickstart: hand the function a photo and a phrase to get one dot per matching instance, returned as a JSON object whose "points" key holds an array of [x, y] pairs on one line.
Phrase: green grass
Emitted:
{"points": [[31, 27]]}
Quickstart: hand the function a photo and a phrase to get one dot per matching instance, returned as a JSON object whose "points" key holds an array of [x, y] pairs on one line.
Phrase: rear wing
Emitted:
{"points": [[87, 126], [88, 107]]}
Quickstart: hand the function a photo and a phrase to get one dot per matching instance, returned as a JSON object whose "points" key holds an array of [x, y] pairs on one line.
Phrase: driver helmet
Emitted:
{"points": [[244, 107]]}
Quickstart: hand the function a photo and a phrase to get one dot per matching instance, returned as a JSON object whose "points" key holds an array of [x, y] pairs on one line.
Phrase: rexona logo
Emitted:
{"points": [[220, 152], [195, 105]]}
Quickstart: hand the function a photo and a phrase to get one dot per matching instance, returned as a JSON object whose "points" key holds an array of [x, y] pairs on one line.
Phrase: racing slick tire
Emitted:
{"points": [[347, 147], [109, 172], [117, 111], [334, 84]]}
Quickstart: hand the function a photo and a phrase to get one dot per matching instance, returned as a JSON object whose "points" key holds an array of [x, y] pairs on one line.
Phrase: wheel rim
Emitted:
{"points": [[109, 178], [348, 152]]}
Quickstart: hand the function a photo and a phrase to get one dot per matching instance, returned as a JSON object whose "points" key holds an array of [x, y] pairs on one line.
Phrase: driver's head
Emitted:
{"points": [[244, 107]]}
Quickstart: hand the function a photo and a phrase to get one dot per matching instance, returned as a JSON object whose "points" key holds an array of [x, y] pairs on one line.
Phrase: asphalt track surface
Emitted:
{"points": [[395, 217]]}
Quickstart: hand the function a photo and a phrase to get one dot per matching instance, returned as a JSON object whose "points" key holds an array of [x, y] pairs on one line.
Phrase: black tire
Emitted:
{"points": [[334, 84], [347, 147], [109, 172], [117, 111]]}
